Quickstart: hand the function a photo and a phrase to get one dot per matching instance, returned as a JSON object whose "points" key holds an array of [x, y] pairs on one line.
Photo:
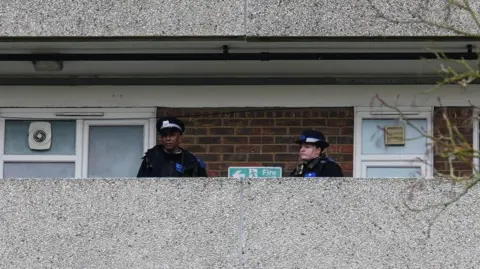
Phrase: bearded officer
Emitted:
{"points": [[315, 163]]}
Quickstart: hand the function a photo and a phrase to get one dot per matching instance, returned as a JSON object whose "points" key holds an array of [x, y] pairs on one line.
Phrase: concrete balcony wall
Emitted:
{"points": [[225, 223], [229, 18]]}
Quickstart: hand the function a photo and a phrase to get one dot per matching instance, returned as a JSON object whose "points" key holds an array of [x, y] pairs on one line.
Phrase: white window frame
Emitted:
{"points": [[392, 163], [84, 117], [382, 160], [476, 138], [86, 128]]}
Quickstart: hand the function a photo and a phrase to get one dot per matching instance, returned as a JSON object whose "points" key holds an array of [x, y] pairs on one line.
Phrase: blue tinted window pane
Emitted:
{"points": [[386, 172], [63, 138], [38, 170], [373, 140], [114, 151]]}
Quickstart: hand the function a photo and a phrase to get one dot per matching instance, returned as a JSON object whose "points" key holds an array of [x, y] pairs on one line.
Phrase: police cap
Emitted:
{"points": [[168, 124], [313, 137]]}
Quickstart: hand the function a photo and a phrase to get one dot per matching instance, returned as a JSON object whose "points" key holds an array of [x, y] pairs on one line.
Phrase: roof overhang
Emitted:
{"points": [[160, 61], [235, 46]]}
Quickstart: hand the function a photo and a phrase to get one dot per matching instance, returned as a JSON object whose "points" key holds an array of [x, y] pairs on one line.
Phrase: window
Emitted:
{"points": [[85, 143], [374, 159], [476, 139]]}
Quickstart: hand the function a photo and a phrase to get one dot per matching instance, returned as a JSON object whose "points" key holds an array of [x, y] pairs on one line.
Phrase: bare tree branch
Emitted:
{"points": [[447, 142], [418, 18], [453, 143]]}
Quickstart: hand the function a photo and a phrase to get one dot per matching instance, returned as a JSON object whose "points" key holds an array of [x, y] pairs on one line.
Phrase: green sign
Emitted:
{"points": [[255, 172]]}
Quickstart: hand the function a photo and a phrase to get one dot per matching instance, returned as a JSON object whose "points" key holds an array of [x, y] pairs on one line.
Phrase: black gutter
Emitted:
{"points": [[138, 81], [262, 56]]}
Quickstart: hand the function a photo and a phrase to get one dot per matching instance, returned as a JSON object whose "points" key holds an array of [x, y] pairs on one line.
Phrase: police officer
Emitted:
{"points": [[315, 163], [169, 159]]}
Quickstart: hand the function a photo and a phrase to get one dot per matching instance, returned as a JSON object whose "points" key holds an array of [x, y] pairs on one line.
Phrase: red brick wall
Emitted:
{"points": [[224, 137], [462, 118]]}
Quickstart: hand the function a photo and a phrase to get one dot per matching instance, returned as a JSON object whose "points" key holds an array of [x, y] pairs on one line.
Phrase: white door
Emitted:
{"points": [[375, 159]]}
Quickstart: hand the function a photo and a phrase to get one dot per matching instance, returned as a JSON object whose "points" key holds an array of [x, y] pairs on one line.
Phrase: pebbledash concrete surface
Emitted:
{"points": [[228, 223], [230, 18]]}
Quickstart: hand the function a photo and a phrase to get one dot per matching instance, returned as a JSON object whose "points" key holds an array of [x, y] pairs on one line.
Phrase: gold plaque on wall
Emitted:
{"points": [[394, 135]]}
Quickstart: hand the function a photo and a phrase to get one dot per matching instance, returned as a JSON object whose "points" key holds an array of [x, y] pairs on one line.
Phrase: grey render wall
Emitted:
{"points": [[228, 18], [224, 223]]}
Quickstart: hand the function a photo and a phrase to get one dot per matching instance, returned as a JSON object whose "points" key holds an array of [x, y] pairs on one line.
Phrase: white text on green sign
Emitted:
{"points": [[255, 172]]}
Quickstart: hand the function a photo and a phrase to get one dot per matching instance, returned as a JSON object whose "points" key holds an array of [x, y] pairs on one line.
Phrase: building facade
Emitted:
{"points": [[247, 77]]}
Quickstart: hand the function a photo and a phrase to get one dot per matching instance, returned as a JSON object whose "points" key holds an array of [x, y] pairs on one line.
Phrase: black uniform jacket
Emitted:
{"points": [[319, 167], [158, 163]]}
